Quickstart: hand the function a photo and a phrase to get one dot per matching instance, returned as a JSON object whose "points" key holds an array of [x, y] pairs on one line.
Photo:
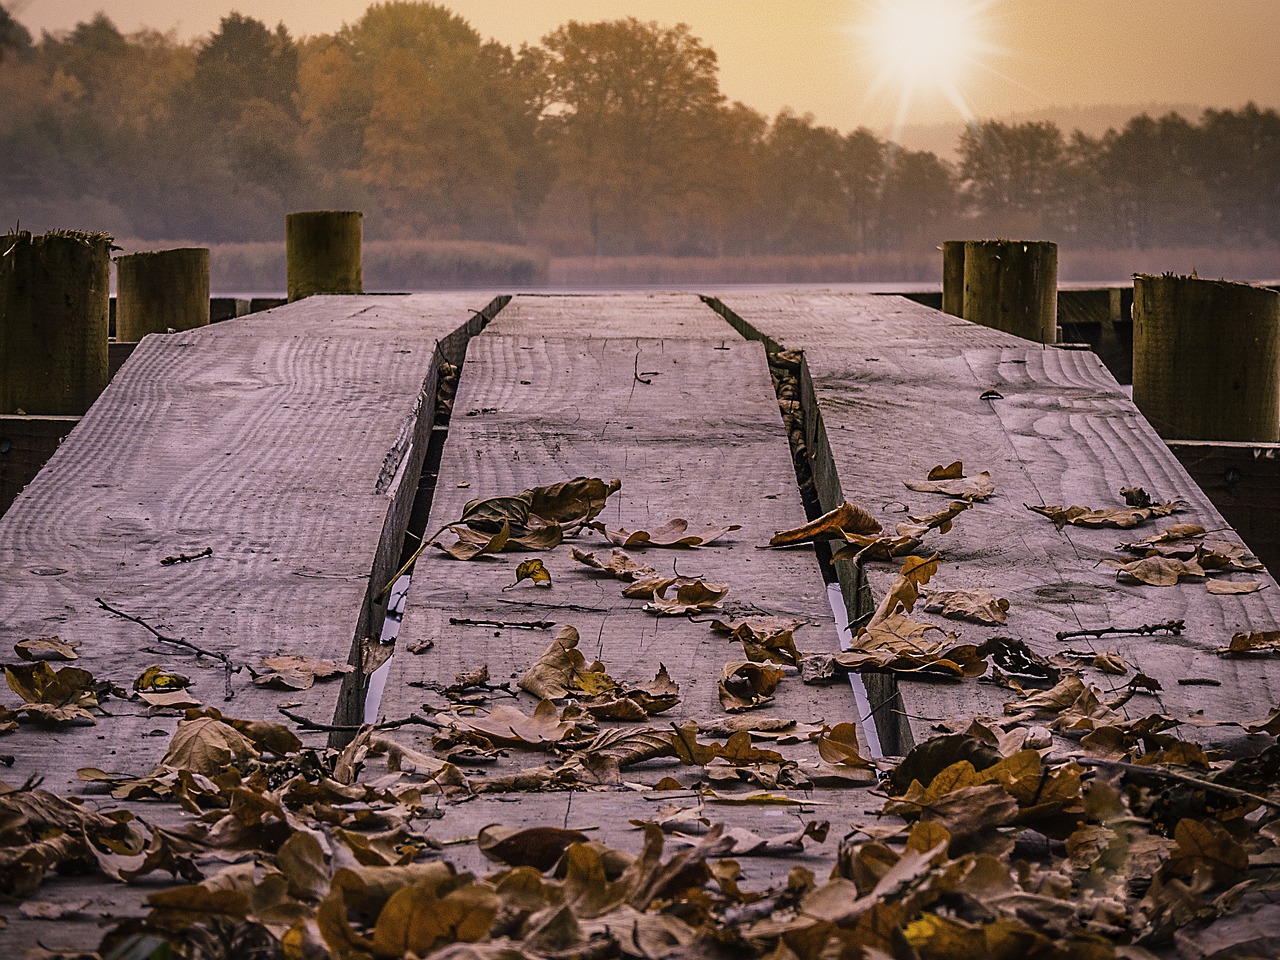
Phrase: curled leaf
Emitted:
{"points": [[534, 571], [848, 518], [619, 565], [952, 482], [692, 595], [978, 606], [673, 533], [1156, 571], [155, 677], [746, 685], [47, 648]]}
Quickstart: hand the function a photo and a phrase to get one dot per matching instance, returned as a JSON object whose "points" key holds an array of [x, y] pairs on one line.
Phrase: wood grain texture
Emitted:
{"points": [[669, 315], [1061, 431], [288, 443], [704, 441], [856, 321]]}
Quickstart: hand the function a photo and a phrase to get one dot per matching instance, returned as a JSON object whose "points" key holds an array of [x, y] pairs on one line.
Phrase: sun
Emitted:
{"points": [[926, 47]]}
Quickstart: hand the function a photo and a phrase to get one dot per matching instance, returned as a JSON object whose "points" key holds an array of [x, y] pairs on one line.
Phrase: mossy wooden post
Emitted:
{"points": [[1206, 358], [157, 292], [1012, 285], [953, 277], [54, 290], [323, 250]]}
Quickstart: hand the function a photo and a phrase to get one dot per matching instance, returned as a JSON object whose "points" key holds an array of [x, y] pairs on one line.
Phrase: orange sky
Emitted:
{"points": [[806, 54]]}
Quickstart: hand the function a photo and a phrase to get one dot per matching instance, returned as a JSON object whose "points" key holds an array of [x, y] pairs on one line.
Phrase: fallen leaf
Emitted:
{"points": [[155, 677], [976, 605], [1015, 659], [951, 482], [509, 725], [1226, 588], [1156, 571], [1265, 642], [534, 571], [1110, 662], [746, 685], [673, 533], [47, 648], [55, 696], [469, 549], [170, 699], [537, 847], [208, 746], [774, 646], [845, 519], [839, 745], [692, 595], [571, 501], [1123, 518], [554, 675], [1174, 533], [619, 565], [293, 672]]}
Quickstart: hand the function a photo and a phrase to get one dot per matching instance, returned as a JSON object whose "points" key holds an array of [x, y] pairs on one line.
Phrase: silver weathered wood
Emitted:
{"points": [[670, 315], [1054, 428]]}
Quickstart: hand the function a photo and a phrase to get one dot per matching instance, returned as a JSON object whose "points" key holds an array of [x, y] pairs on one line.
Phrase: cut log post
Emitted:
{"points": [[323, 252], [953, 277], [1206, 358], [158, 292], [54, 290], [1012, 285]]}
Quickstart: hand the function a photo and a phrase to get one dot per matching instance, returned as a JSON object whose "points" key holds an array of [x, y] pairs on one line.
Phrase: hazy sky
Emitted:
{"points": [[848, 61]]}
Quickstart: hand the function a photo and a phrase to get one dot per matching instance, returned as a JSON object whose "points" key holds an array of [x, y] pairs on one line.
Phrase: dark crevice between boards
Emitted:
{"points": [[411, 492], [816, 475]]}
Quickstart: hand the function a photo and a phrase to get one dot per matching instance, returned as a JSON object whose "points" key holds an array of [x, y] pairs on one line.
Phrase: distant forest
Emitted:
{"points": [[608, 138]]}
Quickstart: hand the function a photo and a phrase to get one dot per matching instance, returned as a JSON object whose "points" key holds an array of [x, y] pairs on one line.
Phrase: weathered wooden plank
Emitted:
{"points": [[641, 314], [857, 321], [289, 443], [702, 440], [1057, 429]]}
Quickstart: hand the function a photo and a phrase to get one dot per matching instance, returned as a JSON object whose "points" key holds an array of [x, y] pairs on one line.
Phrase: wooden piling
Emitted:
{"points": [[157, 292], [953, 277], [1012, 285], [1206, 358], [323, 252], [53, 321]]}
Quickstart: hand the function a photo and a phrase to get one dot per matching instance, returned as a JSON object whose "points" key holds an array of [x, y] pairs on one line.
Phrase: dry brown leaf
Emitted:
{"points": [[537, 847], [692, 595], [915, 572], [945, 481], [1264, 642], [169, 699], [55, 696], [745, 685], [554, 675], [293, 672], [940, 520], [1123, 518], [155, 677], [1174, 533], [774, 646], [468, 548], [673, 533], [47, 648], [534, 571], [1227, 588], [899, 644], [619, 565], [1156, 571], [848, 518], [839, 745], [507, 724], [571, 501], [208, 746], [1110, 662], [976, 605]]}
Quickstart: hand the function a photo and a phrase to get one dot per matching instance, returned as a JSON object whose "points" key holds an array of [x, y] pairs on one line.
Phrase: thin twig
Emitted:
{"points": [[554, 606], [513, 624], [228, 666], [640, 379], [1169, 626], [187, 557], [305, 723], [1207, 785]]}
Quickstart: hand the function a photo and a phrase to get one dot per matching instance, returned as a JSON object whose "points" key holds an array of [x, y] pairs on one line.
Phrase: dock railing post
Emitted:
{"points": [[157, 292], [953, 277], [1012, 285], [323, 252], [1206, 358], [54, 290]]}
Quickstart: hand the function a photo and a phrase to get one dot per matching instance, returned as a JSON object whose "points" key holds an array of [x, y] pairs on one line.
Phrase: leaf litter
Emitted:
{"points": [[1068, 826]]}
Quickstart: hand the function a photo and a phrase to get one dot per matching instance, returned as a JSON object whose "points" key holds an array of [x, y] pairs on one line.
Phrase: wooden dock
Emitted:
{"points": [[273, 461]]}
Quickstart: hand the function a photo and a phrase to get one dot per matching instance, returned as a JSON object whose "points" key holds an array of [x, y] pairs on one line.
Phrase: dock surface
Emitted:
{"points": [[245, 491]]}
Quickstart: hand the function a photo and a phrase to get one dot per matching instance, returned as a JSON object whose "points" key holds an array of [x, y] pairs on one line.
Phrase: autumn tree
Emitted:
{"points": [[634, 118], [1012, 173]]}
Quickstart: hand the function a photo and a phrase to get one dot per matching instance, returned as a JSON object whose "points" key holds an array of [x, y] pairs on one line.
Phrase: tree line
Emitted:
{"points": [[610, 137]]}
